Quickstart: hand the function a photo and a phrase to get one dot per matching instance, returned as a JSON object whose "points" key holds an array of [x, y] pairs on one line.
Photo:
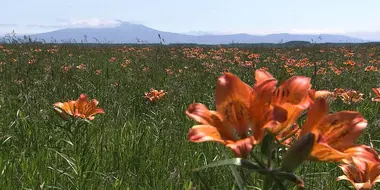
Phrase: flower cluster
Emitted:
{"points": [[245, 114]]}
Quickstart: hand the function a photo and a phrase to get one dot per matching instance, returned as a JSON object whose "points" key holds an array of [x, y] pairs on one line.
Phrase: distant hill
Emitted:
{"points": [[136, 33]]}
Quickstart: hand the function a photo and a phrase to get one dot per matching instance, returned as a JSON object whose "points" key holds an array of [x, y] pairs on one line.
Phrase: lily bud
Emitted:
{"points": [[298, 152]]}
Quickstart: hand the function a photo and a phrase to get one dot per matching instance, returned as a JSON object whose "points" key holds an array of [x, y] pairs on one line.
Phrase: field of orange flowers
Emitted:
{"points": [[119, 117]]}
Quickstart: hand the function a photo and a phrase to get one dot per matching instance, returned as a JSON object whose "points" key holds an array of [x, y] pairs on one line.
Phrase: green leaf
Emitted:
{"points": [[235, 173], [231, 161], [291, 177]]}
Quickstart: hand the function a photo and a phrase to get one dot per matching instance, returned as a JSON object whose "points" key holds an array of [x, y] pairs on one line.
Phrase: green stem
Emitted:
{"points": [[267, 184]]}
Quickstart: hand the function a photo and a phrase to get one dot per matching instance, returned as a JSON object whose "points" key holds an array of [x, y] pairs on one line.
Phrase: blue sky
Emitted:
{"points": [[216, 16]]}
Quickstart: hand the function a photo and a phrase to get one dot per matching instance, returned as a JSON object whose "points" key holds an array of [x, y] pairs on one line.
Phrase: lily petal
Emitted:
{"points": [[362, 156], [242, 147], [199, 113], [262, 75], [202, 133], [340, 130], [232, 99], [323, 152], [316, 113], [295, 90], [281, 128], [68, 107], [374, 174]]}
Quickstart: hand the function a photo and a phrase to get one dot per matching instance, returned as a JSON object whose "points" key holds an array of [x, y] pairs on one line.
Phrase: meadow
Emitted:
{"points": [[137, 144]]}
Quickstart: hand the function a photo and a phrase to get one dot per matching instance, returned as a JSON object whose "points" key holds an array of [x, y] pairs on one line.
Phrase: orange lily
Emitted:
{"points": [[288, 100], [335, 133], [79, 108], [239, 110], [364, 171], [154, 95], [362, 156], [377, 92]]}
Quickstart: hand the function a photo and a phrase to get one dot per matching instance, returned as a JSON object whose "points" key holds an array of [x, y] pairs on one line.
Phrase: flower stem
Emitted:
{"points": [[268, 182]]}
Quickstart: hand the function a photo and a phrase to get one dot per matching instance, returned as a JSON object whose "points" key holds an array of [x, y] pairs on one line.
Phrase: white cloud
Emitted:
{"points": [[90, 22]]}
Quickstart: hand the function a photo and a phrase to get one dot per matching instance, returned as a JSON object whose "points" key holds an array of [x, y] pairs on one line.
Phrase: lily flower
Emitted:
{"points": [[240, 117], [335, 133], [80, 108], [364, 170]]}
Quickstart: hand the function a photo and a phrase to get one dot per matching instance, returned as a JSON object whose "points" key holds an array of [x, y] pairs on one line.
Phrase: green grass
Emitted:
{"points": [[144, 146]]}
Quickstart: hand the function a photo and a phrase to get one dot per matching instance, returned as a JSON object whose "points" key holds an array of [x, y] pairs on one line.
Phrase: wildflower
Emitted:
{"points": [[115, 84], [169, 71], [154, 95], [254, 55], [65, 69], [335, 133], [377, 92], [349, 62], [363, 172], [288, 100], [31, 61], [98, 71], [335, 70], [371, 68], [80, 108], [112, 59], [351, 96], [240, 110], [81, 66], [321, 71], [360, 155], [361, 180]]}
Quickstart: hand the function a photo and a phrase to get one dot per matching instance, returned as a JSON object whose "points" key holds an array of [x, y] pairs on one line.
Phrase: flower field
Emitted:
{"points": [[136, 117]]}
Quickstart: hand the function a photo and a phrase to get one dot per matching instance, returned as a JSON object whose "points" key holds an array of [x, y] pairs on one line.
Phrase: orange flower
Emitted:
{"points": [[349, 62], [335, 133], [371, 68], [335, 70], [362, 156], [169, 71], [81, 66], [377, 92], [80, 108], [239, 111], [287, 101], [361, 180], [154, 95], [112, 59], [351, 96], [364, 170]]}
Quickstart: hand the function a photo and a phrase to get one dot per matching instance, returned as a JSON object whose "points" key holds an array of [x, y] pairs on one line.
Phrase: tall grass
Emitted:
{"points": [[140, 145]]}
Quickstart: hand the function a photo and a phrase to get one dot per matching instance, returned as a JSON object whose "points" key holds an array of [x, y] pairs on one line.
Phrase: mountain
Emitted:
{"points": [[134, 33], [371, 36]]}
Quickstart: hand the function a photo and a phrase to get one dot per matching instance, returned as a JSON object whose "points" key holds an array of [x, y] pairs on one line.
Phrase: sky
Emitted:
{"points": [[196, 16]]}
